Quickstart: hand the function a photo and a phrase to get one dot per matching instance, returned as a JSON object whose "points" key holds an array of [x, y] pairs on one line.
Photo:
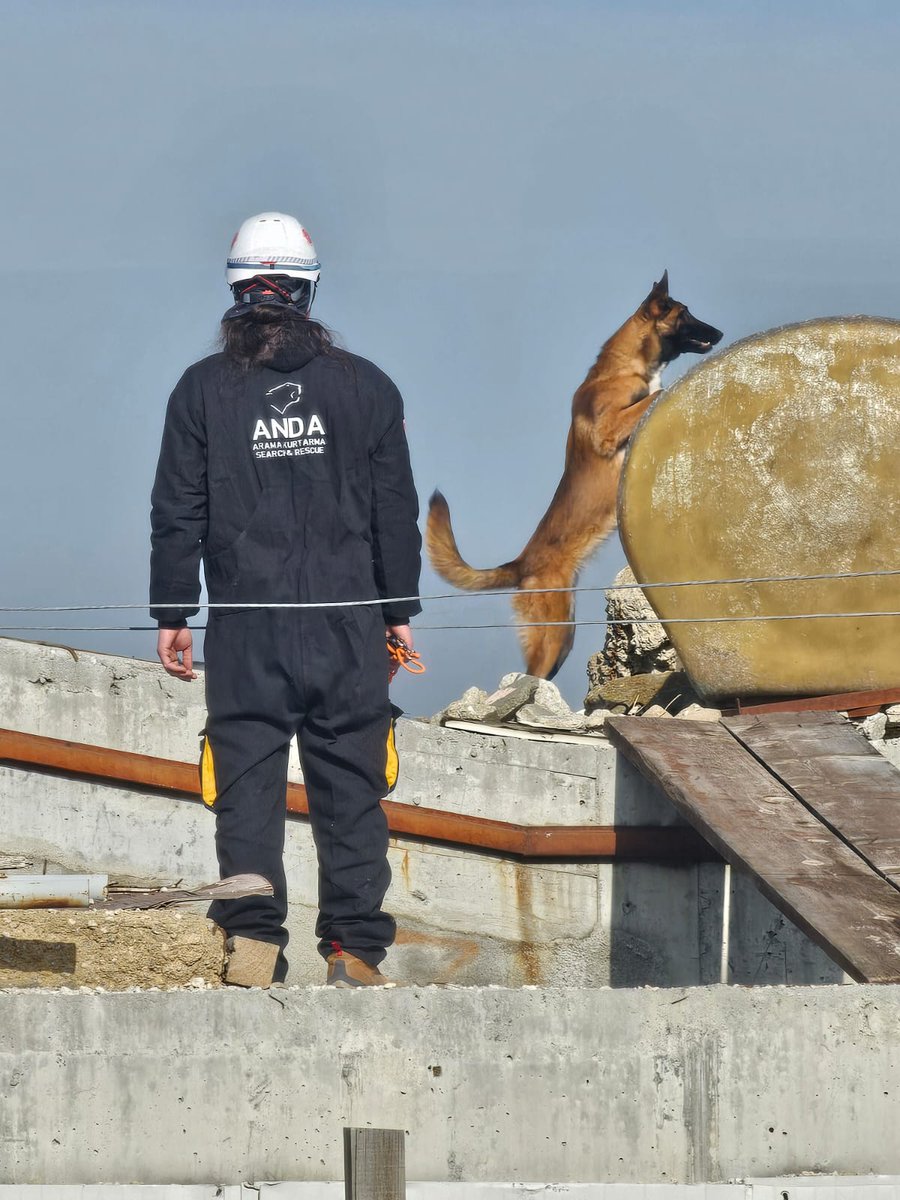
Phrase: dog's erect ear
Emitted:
{"points": [[659, 291]]}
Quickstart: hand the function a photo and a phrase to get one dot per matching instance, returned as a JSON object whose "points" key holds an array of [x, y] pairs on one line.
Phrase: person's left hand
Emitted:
{"points": [[405, 634]]}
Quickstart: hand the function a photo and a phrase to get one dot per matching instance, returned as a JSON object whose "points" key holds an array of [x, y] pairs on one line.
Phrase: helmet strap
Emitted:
{"points": [[262, 288]]}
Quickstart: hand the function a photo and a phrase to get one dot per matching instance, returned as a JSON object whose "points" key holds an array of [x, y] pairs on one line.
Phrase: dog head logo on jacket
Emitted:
{"points": [[288, 393]]}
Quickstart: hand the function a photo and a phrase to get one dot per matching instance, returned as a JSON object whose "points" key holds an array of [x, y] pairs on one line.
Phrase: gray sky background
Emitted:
{"points": [[491, 187]]}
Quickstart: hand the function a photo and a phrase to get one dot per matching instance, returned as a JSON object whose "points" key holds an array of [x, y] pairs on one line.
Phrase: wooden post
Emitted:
{"points": [[374, 1165]]}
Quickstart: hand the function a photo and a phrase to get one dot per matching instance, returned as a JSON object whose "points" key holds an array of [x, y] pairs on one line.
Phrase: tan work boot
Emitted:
{"points": [[251, 963], [347, 971]]}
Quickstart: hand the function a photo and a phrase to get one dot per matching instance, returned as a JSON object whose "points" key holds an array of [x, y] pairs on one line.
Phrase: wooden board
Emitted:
{"points": [[759, 826], [838, 775], [374, 1164]]}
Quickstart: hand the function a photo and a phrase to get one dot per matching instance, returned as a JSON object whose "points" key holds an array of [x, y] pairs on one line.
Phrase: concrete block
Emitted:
{"points": [[567, 1084], [503, 703], [486, 896], [250, 963]]}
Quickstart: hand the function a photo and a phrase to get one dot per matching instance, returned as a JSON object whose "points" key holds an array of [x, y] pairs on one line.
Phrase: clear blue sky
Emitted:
{"points": [[492, 189]]}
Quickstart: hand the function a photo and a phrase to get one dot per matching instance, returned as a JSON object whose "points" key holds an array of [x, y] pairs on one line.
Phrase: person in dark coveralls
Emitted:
{"points": [[284, 467]]}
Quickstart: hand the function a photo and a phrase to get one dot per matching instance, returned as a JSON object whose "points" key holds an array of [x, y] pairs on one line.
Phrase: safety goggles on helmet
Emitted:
{"points": [[271, 289]]}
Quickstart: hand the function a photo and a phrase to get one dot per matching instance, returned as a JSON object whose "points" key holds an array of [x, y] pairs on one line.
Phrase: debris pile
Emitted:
{"points": [[882, 726], [524, 701], [630, 649], [528, 703], [655, 694], [637, 672]]}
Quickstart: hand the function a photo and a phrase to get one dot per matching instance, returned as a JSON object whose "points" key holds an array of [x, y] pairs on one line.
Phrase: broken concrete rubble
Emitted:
{"points": [[514, 692], [540, 717], [529, 703], [524, 701], [631, 648], [699, 712], [670, 689], [471, 706], [875, 727]]}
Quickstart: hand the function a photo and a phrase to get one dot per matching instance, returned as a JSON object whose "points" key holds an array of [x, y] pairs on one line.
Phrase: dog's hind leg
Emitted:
{"points": [[545, 645]]}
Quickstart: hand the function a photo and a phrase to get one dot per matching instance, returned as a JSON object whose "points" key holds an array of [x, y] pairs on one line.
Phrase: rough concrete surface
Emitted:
{"points": [[109, 949], [634, 648], [568, 1084]]}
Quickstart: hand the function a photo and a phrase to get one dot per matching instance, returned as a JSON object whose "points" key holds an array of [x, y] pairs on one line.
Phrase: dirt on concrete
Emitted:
{"points": [[113, 949]]}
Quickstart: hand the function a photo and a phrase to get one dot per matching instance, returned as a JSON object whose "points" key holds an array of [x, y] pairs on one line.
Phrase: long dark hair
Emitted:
{"points": [[267, 330]]}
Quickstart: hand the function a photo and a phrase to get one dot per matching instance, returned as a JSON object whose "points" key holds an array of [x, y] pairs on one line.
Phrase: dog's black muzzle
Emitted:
{"points": [[696, 337]]}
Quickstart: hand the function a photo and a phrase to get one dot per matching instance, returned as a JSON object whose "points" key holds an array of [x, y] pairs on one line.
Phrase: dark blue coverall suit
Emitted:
{"points": [[292, 482]]}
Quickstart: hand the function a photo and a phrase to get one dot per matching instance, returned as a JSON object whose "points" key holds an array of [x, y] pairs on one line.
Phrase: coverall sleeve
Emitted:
{"points": [[178, 517], [396, 541]]}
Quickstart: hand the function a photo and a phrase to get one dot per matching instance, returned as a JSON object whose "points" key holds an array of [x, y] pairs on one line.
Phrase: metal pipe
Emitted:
{"points": [[622, 843], [51, 891]]}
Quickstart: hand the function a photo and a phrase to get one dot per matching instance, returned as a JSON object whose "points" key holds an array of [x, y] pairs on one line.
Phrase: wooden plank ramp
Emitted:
{"points": [[838, 775], [806, 869]]}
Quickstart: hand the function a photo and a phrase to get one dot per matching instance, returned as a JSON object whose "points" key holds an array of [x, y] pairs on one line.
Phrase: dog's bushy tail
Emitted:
{"points": [[450, 564]]}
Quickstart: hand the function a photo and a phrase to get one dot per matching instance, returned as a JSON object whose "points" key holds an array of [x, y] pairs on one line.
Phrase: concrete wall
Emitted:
{"points": [[644, 1085], [819, 1187], [463, 916]]}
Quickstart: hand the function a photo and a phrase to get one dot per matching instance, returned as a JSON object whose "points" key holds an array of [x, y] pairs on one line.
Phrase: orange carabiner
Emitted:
{"points": [[401, 656]]}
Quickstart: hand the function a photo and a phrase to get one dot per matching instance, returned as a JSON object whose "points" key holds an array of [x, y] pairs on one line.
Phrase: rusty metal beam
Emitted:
{"points": [[621, 843], [857, 704]]}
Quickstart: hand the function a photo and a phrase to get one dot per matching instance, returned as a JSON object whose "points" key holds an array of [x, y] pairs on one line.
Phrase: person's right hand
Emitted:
{"points": [[175, 648]]}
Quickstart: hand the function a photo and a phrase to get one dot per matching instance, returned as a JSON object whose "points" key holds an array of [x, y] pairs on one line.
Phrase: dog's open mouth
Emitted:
{"points": [[703, 340], [697, 337]]}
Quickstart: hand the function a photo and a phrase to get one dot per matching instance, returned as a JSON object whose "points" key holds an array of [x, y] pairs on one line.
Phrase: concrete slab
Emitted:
{"points": [[565, 1084], [873, 1187]]}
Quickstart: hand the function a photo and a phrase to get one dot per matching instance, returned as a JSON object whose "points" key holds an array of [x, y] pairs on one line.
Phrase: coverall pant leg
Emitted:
{"points": [[343, 749], [270, 674]]}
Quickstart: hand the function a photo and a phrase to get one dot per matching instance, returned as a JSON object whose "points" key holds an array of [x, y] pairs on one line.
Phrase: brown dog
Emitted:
{"points": [[618, 389]]}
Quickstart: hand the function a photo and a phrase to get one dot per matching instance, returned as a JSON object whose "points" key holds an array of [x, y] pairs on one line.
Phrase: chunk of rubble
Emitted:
{"points": [[510, 697], [526, 701], [471, 706], [699, 712], [656, 710], [538, 716], [669, 689], [637, 646], [594, 721], [549, 696], [874, 727]]}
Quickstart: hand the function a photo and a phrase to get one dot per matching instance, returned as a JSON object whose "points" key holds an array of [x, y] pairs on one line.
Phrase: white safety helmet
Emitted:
{"points": [[267, 252]]}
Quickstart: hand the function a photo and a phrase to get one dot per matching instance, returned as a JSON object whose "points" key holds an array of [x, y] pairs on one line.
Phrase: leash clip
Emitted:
{"points": [[400, 655]]}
